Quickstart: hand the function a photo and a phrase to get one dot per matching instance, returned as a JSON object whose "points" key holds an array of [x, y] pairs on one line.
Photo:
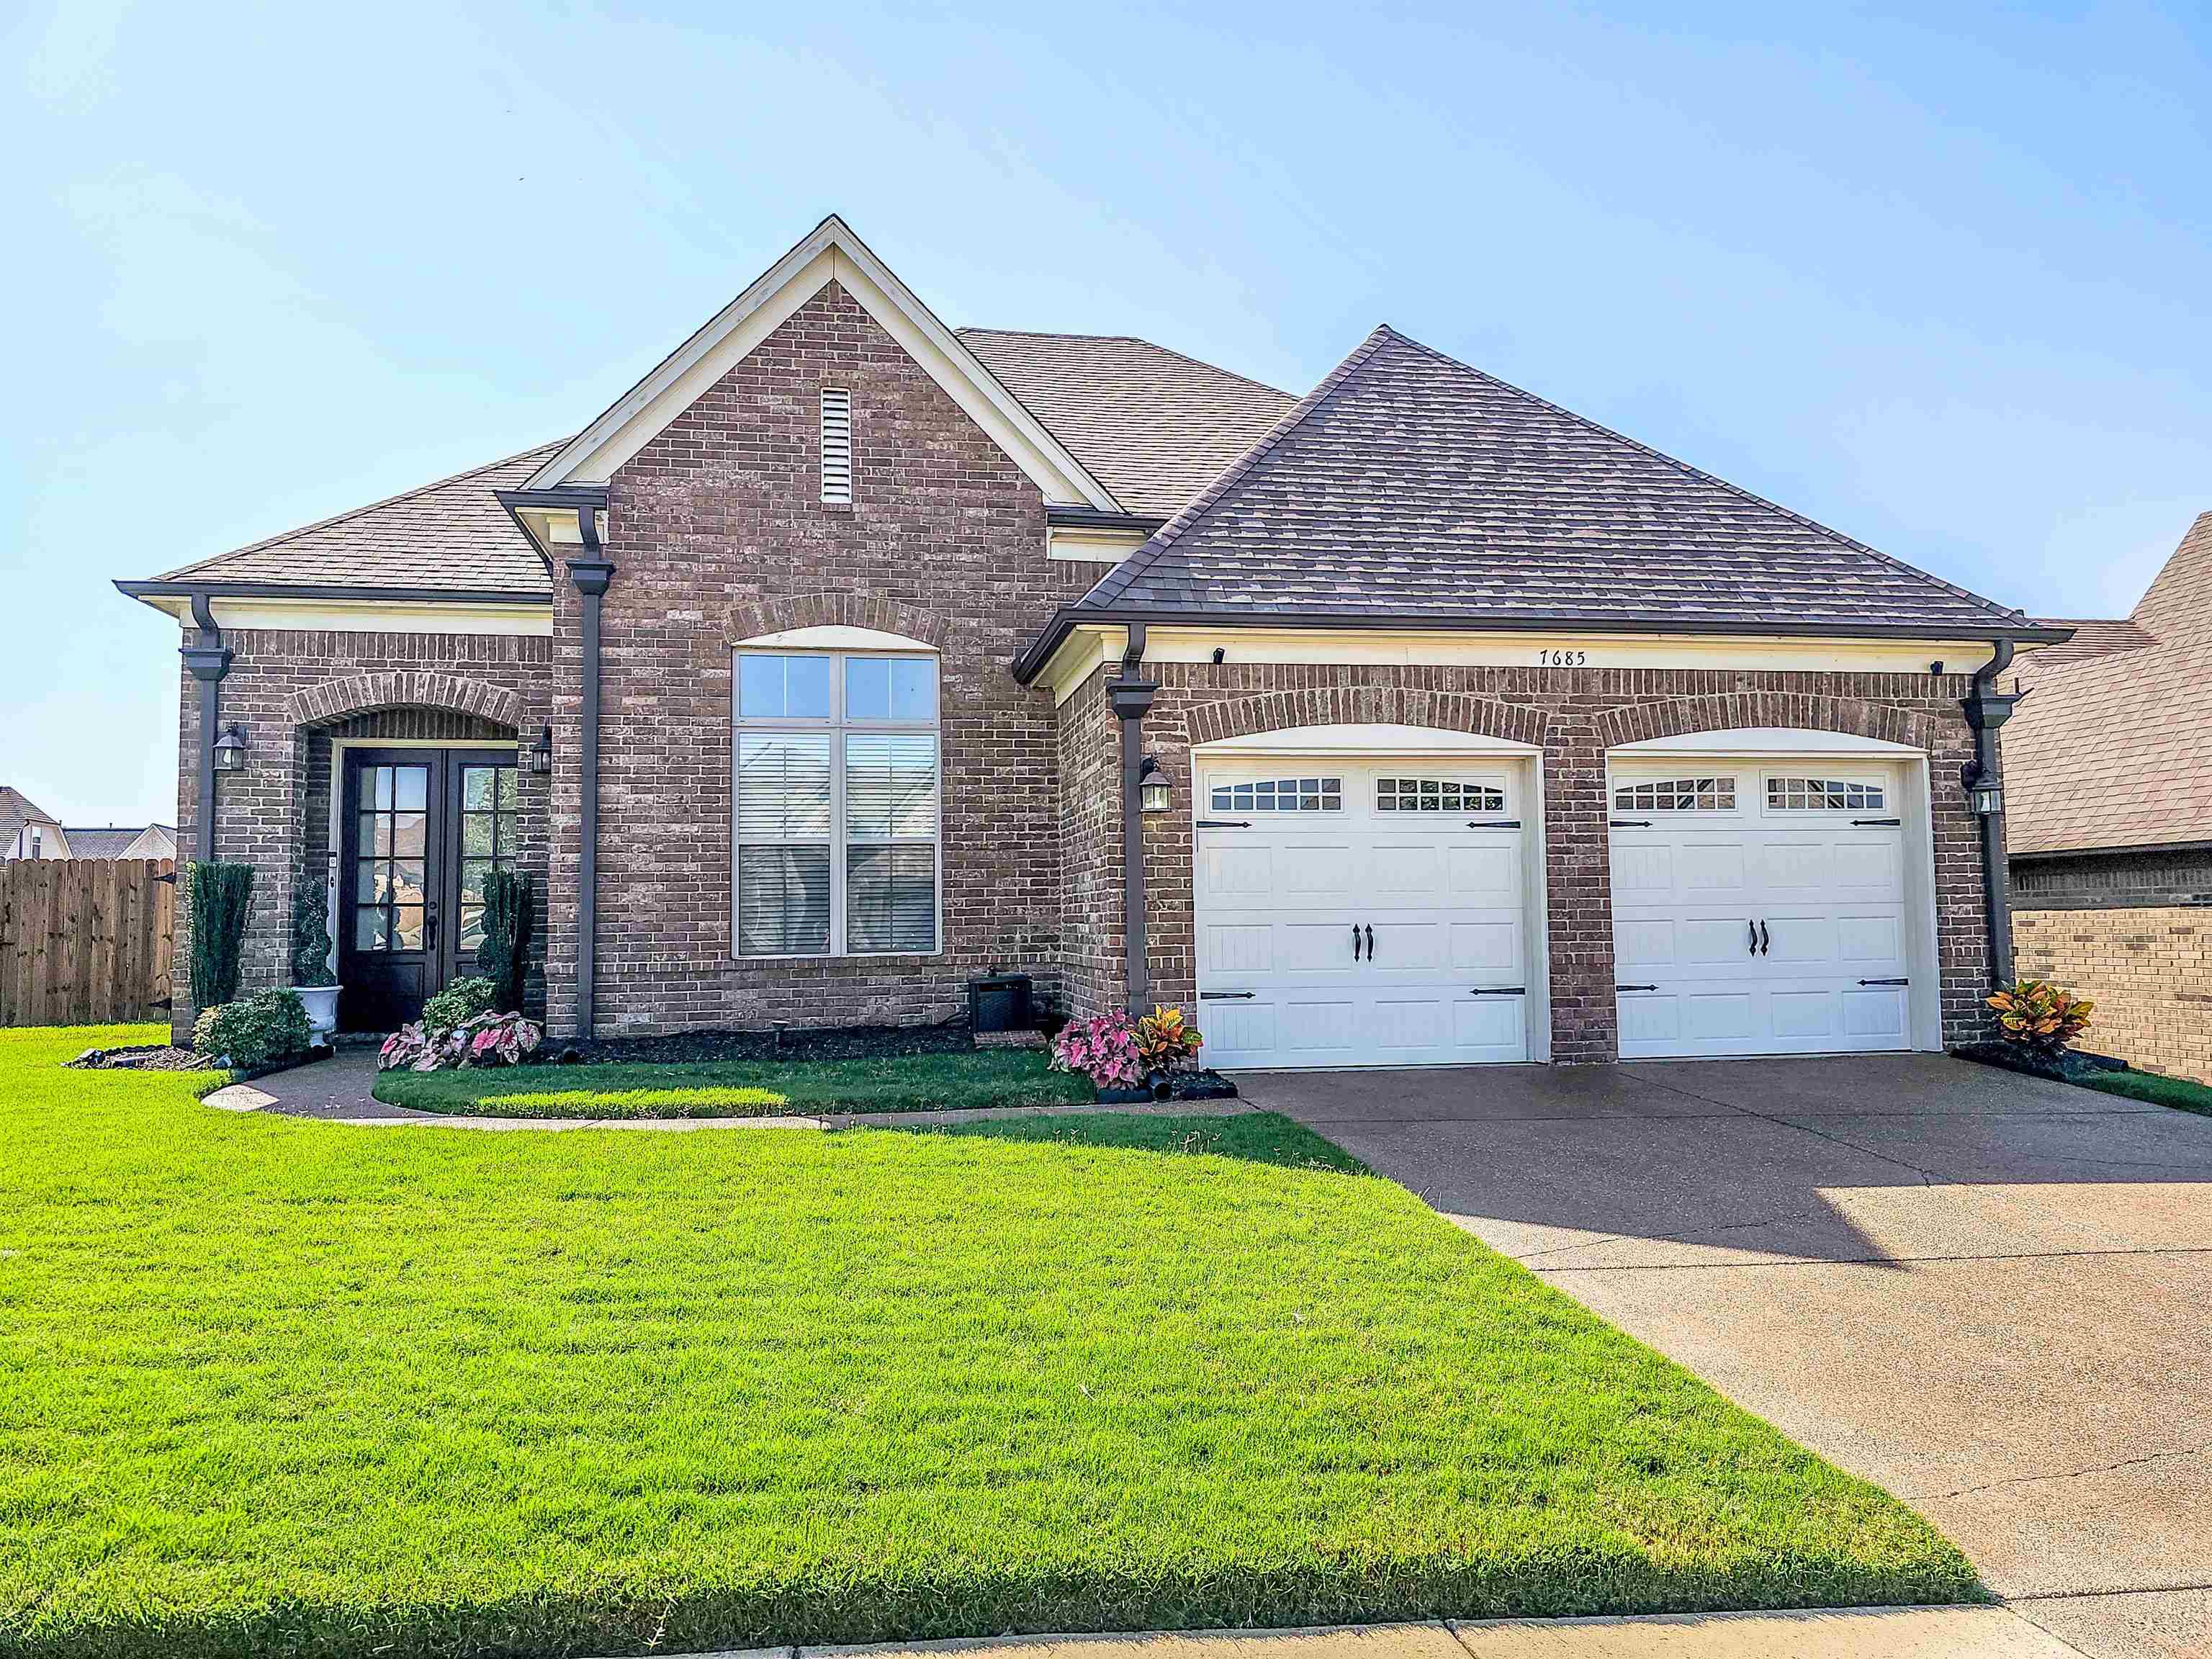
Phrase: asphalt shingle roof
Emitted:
{"points": [[16, 810], [453, 534], [1408, 484], [2108, 749], [1153, 426]]}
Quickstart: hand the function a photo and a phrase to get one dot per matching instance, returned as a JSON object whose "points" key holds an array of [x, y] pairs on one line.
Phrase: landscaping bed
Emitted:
{"points": [[2099, 1072], [277, 1386], [914, 1082]]}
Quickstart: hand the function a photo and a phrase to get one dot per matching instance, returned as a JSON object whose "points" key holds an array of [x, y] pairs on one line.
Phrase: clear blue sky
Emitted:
{"points": [[1940, 277]]}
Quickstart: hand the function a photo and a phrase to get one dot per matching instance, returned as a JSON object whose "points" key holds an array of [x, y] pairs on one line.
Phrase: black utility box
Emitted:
{"points": [[1001, 1002]]}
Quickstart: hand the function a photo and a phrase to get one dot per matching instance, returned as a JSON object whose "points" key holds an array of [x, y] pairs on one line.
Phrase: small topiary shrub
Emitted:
{"points": [[264, 1029], [2041, 1018], [217, 897], [458, 1003], [311, 933], [509, 913]]}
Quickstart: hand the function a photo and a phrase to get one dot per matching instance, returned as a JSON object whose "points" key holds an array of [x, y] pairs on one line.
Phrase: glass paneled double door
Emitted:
{"points": [[420, 829]]}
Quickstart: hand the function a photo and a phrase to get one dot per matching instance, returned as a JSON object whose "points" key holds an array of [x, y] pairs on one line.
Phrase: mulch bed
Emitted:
{"points": [[2071, 1066], [151, 1057]]}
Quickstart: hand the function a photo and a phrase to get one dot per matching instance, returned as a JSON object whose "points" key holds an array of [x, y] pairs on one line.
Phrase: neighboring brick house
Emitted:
{"points": [[2110, 826], [848, 658]]}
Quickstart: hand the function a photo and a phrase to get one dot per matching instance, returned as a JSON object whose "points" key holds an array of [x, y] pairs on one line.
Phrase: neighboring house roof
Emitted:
{"points": [[2108, 749], [451, 534], [1410, 485], [17, 810], [1155, 427], [147, 841]]}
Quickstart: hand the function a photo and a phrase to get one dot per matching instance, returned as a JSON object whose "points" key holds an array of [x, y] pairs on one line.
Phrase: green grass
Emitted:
{"points": [[1260, 1137], [275, 1385], [904, 1083], [2178, 1092]]}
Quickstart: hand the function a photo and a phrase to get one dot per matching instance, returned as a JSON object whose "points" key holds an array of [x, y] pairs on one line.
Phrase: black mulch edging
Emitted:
{"points": [[837, 1042], [1182, 1085], [2070, 1066]]}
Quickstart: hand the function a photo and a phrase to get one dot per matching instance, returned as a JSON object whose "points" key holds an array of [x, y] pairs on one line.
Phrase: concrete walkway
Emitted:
{"points": [[337, 1091], [1990, 1294], [1849, 1633]]}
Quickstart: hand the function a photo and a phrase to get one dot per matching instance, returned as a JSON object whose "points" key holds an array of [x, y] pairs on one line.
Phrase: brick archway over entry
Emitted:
{"points": [[1743, 710], [1383, 705], [871, 610], [363, 694]]}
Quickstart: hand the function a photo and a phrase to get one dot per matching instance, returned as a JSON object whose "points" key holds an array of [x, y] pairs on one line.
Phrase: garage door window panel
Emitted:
{"points": [[1800, 794], [1311, 795], [1702, 795], [1410, 794]]}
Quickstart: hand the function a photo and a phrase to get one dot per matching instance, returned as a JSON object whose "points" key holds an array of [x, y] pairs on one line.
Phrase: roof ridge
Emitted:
{"points": [[461, 476], [1115, 581], [1130, 339], [1700, 474]]}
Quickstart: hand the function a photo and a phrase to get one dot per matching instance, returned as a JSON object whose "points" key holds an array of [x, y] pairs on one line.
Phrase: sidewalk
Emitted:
{"points": [[1846, 1633]]}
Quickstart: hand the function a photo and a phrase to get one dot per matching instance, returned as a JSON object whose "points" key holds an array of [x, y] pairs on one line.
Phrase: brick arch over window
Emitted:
{"points": [[1442, 711], [885, 616], [363, 694], [1735, 711]]}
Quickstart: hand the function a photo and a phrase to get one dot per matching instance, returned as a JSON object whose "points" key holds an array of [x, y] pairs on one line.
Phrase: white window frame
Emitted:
{"points": [[836, 727], [1769, 807]]}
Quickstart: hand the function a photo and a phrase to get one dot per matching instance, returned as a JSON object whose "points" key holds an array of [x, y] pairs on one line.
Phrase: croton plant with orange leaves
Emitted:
{"points": [[1165, 1041], [2040, 1016]]}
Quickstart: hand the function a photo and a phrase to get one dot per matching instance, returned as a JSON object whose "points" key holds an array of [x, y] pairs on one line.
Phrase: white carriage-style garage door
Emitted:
{"points": [[1369, 912], [1761, 907]]}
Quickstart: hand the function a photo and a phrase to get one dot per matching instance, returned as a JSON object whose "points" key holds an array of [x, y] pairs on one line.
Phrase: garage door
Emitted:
{"points": [[1361, 914], [1758, 909]]}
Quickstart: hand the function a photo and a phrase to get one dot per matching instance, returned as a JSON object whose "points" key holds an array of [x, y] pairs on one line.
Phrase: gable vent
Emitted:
{"points": [[836, 446]]}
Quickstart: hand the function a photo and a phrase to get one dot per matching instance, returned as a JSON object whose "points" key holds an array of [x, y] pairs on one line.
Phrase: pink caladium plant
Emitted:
{"points": [[486, 1040], [1103, 1049]]}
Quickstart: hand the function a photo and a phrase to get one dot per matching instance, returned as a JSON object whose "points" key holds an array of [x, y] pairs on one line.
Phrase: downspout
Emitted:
{"points": [[1131, 699], [209, 659], [1987, 708], [591, 575]]}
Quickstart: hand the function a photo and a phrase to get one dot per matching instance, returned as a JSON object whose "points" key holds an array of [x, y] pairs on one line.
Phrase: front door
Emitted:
{"points": [[420, 829]]}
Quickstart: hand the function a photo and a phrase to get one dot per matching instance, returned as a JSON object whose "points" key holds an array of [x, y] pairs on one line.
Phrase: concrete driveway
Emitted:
{"points": [[1990, 1294]]}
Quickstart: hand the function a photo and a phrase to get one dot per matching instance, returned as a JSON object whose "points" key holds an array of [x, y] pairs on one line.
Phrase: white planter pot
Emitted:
{"points": [[321, 1002]]}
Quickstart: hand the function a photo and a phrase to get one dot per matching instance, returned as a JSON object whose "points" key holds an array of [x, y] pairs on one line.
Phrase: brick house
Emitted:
{"points": [[848, 657], [2109, 831]]}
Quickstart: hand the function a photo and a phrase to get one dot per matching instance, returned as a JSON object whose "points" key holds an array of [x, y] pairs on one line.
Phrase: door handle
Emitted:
{"points": [[1753, 928], [1764, 938], [1370, 941], [1355, 941]]}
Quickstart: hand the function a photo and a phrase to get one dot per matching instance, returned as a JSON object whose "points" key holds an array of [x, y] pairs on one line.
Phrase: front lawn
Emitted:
{"points": [[741, 1088], [274, 1386], [2154, 1088]]}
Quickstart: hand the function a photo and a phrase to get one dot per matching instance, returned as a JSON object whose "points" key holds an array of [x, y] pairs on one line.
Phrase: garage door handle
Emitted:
{"points": [[1370, 941], [1498, 991], [1226, 996], [1885, 981], [1355, 941], [1753, 927], [1766, 940]]}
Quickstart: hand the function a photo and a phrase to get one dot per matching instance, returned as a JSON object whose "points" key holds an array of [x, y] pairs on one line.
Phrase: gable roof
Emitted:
{"points": [[451, 534], [2147, 697], [1410, 486], [113, 842], [17, 810], [1156, 427], [831, 253]]}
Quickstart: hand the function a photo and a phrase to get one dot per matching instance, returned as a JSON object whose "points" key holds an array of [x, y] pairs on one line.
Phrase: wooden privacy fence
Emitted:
{"points": [[86, 941]]}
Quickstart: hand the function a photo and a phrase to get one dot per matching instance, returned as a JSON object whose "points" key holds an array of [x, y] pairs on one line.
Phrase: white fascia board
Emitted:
{"points": [[1380, 738], [1091, 546], [364, 616], [831, 253], [1763, 741]]}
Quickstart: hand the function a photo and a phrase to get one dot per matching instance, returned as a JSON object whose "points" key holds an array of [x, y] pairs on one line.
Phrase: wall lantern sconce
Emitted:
{"points": [[1985, 795], [537, 757], [1154, 793], [230, 750]]}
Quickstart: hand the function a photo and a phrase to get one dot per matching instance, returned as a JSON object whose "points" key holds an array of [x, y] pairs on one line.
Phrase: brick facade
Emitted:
{"points": [[2134, 932], [1575, 716], [718, 533], [291, 691]]}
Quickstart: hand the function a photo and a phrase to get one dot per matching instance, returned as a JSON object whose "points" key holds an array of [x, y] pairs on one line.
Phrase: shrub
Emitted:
{"points": [[217, 897], [1103, 1049], [509, 913], [311, 933], [484, 1039], [2040, 1017], [1165, 1042], [458, 1003], [265, 1028]]}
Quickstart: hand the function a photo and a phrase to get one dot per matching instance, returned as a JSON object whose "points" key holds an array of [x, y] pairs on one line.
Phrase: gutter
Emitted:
{"points": [[1987, 708], [592, 574], [1092, 518], [200, 592], [1066, 620], [573, 498]]}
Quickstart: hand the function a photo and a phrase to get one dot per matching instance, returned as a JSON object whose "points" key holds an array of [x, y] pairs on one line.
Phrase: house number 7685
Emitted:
{"points": [[1549, 659]]}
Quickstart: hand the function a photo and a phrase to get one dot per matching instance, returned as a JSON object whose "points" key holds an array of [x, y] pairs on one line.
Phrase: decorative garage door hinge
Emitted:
{"points": [[1885, 981], [1635, 988], [1224, 823], [1226, 996], [1493, 823], [1631, 823], [1498, 991]]}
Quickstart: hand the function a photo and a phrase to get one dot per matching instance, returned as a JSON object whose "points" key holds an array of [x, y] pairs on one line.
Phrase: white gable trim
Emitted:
{"points": [[831, 253]]}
